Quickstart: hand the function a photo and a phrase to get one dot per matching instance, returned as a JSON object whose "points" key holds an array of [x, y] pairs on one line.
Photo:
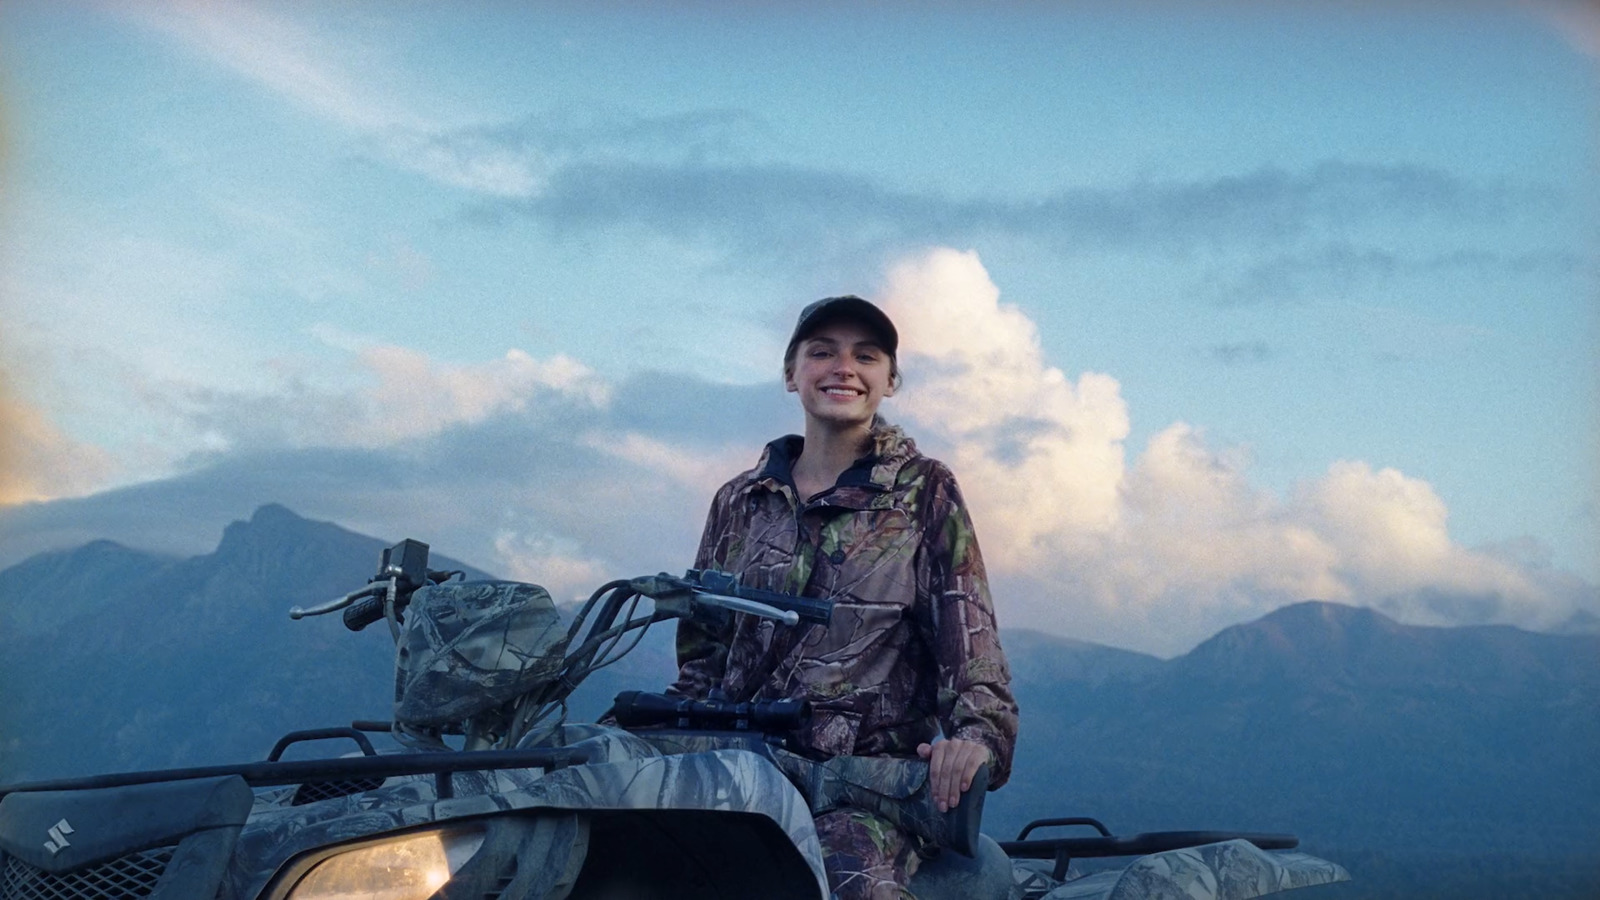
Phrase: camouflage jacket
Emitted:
{"points": [[912, 645]]}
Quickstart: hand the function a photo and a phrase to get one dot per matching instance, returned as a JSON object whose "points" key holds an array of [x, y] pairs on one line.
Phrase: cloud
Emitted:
{"points": [[526, 467], [510, 494], [543, 469], [344, 83], [697, 174], [1042, 452], [276, 53], [418, 396], [407, 394], [1160, 551], [38, 461], [337, 84], [753, 205], [1577, 22], [1344, 269], [1241, 352]]}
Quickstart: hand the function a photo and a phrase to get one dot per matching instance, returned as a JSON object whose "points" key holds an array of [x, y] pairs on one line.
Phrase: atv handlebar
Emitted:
{"points": [[608, 615], [403, 569]]}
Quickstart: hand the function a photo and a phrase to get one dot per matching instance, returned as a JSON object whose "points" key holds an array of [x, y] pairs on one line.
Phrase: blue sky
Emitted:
{"points": [[1256, 302]]}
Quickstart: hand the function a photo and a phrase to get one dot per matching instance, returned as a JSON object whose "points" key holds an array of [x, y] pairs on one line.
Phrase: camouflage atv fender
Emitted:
{"points": [[721, 780]]}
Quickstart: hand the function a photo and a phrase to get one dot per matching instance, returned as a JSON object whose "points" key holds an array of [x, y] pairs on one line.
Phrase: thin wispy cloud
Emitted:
{"points": [[1577, 21], [338, 83], [756, 208], [696, 174], [1342, 269], [1241, 352], [277, 53], [287, 59]]}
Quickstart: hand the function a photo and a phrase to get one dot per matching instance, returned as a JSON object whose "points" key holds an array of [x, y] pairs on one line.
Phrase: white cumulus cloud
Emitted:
{"points": [[1159, 551], [1039, 452]]}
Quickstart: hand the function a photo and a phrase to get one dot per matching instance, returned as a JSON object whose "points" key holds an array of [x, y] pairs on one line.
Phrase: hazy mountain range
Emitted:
{"points": [[1432, 761]]}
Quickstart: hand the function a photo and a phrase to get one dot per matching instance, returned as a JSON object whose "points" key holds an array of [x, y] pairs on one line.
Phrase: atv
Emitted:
{"points": [[493, 795]]}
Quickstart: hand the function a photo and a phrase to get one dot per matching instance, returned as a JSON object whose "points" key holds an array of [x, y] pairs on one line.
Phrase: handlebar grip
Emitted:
{"points": [[363, 612]]}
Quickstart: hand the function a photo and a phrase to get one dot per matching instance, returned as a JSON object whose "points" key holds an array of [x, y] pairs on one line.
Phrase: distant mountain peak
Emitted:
{"points": [[274, 534], [1317, 642], [271, 521], [1330, 619], [275, 513]]}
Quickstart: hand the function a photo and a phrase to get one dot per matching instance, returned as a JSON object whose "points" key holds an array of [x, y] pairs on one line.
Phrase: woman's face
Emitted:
{"points": [[841, 375]]}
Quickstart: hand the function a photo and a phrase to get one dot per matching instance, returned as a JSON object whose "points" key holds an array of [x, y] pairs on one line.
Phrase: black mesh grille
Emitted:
{"points": [[131, 876], [313, 791]]}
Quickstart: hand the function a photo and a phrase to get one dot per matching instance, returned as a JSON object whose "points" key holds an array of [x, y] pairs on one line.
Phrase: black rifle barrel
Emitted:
{"points": [[299, 771], [642, 709]]}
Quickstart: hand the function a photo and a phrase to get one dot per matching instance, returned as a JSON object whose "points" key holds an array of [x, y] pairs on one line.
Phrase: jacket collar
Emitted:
{"points": [[873, 473]]}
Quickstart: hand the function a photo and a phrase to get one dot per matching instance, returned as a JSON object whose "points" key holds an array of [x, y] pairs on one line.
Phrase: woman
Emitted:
{"points": [[852, 512]]}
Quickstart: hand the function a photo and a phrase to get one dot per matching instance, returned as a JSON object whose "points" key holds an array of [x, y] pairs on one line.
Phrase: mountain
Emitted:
{"points": [[51, 589], [1440, 762], [1450, 761], [1331, 647], [116, 659], [1039, 657]]}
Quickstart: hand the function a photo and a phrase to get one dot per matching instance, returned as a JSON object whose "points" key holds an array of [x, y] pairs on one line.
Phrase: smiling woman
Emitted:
{"points": [[851, 512]]}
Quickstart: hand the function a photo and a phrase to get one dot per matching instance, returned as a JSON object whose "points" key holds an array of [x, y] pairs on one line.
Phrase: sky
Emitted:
{"points": [[1211, 308]]}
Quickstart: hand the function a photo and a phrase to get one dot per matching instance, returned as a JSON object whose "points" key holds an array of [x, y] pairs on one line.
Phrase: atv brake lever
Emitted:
{"points": [[301, 612], [751, 607], [669, 594]]}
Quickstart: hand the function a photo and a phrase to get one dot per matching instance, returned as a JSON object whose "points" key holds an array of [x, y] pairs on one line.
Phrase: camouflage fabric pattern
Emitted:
{"points": [[470, 647], [913, 644], [1230, 870], [730, 780], [867, 857], [893, 789]]}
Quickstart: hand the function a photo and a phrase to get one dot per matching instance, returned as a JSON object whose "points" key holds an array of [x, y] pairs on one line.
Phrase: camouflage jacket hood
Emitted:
{"points": [[913, 643]]}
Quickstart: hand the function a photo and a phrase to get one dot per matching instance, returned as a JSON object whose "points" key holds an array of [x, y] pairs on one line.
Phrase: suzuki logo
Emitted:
{"points": [[58, 837]]}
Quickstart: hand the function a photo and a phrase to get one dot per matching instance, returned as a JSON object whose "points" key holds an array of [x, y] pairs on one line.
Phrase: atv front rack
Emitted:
{"points": [[1063, 850]]}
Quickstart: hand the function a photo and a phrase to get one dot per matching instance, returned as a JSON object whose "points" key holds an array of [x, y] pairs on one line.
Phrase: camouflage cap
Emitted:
{"points": [[851, 307]]}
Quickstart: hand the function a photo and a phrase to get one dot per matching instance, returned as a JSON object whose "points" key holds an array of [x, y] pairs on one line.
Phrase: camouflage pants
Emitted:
{"points": [[866, 857]]}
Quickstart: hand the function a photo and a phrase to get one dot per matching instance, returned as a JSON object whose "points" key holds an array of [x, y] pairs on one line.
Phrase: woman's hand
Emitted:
{"points": [[951, 765]]}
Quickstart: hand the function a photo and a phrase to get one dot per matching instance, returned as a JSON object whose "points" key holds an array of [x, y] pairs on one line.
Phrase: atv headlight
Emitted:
{"points": [[408, 867]]}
